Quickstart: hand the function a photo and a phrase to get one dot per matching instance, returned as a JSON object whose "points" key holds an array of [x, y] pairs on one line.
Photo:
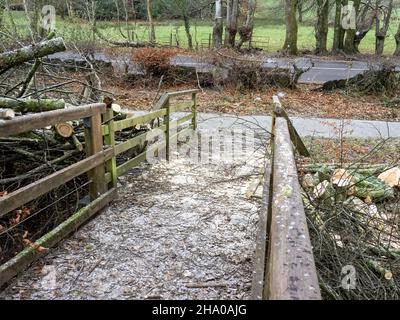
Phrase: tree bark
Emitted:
{"points": [[217, 29], [231, 22], [349, 42], [2, 9], [397, 39], [290, 46], [152, 34], [321, 28], [381, 32], [246, 31], [338, 30], [187, 30], [14, 58], [31, 105]]}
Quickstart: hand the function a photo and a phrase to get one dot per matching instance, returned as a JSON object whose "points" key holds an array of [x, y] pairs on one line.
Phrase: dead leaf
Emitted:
{"points": [[391, 177]]}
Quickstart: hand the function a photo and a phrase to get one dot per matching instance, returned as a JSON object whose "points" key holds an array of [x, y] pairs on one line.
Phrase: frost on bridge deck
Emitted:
{"points": [[177, 231]]}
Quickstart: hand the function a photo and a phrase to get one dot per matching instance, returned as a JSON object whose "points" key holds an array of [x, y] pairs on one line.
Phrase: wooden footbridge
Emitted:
{"points": [[283, 264]]}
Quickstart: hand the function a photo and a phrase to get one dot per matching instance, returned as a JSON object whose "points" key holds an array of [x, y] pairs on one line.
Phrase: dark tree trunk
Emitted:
{"points": [[381, 32], [338, 30], [187, 30], [349, 42], [231, 22], [321, 28], [217, 29], [290, 46], [397, 38]]}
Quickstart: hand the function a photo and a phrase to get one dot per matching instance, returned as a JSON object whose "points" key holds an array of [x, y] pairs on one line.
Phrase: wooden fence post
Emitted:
{"points": [[194, 110], [167, 129], [94, 144], [110, 140]]}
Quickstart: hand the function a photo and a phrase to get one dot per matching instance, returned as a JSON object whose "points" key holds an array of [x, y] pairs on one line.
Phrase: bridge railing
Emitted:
{"points": [[284, 260], [100, 163]]}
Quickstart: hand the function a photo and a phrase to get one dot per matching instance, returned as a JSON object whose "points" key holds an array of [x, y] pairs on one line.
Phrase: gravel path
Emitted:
{"points": [[177, 231]]}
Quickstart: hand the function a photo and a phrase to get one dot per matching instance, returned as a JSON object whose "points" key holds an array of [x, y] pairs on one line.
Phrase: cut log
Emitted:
{"points": [[32, 105], [7, 114], [391, 177], [14, 58], [64, 129]]}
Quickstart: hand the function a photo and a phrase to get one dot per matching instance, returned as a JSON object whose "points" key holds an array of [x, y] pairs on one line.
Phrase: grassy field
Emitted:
{"points": [[268, 35]]}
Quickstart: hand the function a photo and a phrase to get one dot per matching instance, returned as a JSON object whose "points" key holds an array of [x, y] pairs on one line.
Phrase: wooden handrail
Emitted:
{"points": [[40, 120]]}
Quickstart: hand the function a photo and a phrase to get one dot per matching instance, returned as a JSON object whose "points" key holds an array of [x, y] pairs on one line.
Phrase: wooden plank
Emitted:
{"points": [[167, 130], [21, 261], [279, 111], [131, 143], [23, 195], [110, 140], [194, 110], [183, 120], [291, 269], [94, 143], [44, 119], [257, 287], [125, 167], [176, 107], [161, 102], [130, 122], [182, 93]]}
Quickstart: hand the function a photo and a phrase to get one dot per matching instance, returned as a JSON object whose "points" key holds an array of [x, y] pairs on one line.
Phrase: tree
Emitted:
{"points": [[321, 27], [152, 33], [381, 31], [2, 9], [349, 42], [338, 34], [246, 31], [397, 38], [232, 7], [217, 29], [290, 46]]}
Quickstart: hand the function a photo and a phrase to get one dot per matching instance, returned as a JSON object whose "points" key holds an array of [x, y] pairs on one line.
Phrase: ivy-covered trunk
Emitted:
{"points": [[231, 22], [187, 30], [350, 46], [397, 38], [338, 34], [381, 31], [217, 29]]}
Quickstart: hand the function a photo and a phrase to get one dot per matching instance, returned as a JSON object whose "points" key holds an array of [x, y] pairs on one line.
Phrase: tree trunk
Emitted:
{"points": [[217, 29], [381, 32], [152, 34], [338, 30], [300, 10], [246, 31], [31, 105], [321, 28], [13, 58], [397, 38], [231, 22], [2, 9], [290, 46], [349, 42], [187, 30]]}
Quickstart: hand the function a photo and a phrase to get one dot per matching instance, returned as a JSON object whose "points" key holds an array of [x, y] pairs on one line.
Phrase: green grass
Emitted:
{"points": [[266, 35]]}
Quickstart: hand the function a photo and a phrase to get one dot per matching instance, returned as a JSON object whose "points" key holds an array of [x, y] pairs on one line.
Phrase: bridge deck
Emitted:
{"points": [[177, 231]]}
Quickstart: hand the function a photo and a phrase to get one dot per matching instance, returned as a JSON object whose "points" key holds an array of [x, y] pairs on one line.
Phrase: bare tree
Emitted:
{"points": [[338, 34], [321, 27], [217, 29], [381, 30], [290, 46], [397, 38], [246, 31], [232, 7], [349, 42], [152, 33]]}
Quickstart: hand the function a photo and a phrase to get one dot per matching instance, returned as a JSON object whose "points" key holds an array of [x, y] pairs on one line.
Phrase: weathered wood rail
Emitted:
{"points": [[284, 263], [100, 163]]}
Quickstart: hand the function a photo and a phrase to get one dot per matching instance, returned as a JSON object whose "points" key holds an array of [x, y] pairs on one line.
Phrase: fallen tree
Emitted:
{"points": [[32, 105], [14, 58]]}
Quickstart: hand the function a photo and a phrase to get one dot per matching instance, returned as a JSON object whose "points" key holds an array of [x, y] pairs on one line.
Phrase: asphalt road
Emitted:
{"points": [[318, 71]]}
